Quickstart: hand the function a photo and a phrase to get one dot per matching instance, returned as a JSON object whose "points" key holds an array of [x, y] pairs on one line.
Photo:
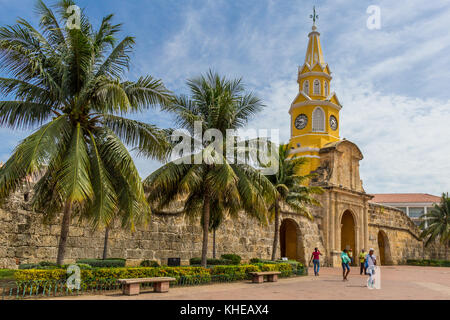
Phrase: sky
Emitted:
{"points": [[393, 82]]}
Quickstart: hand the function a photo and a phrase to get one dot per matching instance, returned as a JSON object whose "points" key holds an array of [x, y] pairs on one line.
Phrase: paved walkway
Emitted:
{"points": [[397, 282]]}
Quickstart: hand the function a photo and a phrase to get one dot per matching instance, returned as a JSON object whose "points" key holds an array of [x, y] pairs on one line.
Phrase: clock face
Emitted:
{"points": [[301, 121], [333, 123]]}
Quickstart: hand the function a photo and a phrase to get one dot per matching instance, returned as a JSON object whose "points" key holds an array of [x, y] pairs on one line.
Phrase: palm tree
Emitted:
{"points": [[216, 184], [216, 219], [68, 84], [438, 224], [290, 190]]}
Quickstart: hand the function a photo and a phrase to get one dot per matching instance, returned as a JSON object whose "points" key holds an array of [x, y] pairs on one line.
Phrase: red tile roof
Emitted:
{"points": [[405, 198]]}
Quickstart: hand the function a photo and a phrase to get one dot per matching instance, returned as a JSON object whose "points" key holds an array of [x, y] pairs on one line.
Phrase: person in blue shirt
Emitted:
{"points": [[345, 264]]}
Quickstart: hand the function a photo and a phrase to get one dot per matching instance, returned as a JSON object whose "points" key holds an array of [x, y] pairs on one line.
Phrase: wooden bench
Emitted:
{"points": [[131, 287], [258, 277]]}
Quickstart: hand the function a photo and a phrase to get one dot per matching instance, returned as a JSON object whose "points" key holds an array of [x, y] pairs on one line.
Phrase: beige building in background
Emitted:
{"points": [[413, 204]]}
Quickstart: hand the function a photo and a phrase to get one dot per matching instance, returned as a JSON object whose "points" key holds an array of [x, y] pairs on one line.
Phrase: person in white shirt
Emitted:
{"points": [[371, 262]]}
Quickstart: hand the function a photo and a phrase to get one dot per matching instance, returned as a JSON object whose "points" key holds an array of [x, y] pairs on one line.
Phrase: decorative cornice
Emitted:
{"points": [[315, 103], [313, 74]]}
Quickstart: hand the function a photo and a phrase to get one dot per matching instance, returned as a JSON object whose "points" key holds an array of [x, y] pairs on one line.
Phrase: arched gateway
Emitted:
{"points": [[384, 251], [290, 241], [348, 234]]}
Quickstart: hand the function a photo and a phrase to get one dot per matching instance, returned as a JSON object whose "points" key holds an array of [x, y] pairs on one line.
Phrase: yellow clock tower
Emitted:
{"points": [[315, 110]]}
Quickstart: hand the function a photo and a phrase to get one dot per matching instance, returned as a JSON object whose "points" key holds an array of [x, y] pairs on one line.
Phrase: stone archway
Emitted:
{"points": [[348, 232], [290, 241], [384, 251]]}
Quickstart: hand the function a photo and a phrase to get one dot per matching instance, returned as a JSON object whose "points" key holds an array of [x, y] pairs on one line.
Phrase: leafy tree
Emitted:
{"points": [[214, 184], [69, 85], [291, 190], [438, 224]]}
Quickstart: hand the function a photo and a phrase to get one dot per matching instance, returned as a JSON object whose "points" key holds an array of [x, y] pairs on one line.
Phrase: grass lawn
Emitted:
{"points": [[7, 274]]}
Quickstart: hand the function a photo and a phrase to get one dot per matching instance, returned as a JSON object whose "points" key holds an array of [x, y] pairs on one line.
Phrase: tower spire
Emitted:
{"points": [[314, 52], [314, 16]]}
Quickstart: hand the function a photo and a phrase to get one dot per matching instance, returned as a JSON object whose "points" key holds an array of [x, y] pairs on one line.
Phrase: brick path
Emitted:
{"points": [[397, 282]]}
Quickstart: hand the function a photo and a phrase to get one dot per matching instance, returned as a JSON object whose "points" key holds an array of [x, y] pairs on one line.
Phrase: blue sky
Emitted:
{"points": [[392, 82]]}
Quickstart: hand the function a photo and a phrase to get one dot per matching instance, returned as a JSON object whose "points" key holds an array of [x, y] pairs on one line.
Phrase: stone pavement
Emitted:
{"points": [[397, 282]]}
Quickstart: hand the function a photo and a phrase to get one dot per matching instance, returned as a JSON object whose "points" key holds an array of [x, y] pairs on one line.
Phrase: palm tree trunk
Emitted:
{"points": [[105, 244], [65, 225], [206, 207], [446, 250], [276, 233], [214, 243]]}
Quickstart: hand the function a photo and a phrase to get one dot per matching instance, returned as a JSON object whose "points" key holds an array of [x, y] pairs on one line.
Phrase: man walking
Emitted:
{"points": [[371, 262], [362, 260], [315, 257]]}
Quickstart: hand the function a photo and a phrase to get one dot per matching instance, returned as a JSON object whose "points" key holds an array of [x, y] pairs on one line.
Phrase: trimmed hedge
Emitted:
{"points": [[107, 263], [296, 267], [236, 259], [428, 263], [39, 265], [49, 266], [149, 264], [94, 276], [212, 262], [101, 275]]}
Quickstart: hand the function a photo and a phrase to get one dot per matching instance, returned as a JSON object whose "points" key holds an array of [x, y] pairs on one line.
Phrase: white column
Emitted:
{"points": [[426, 221]]}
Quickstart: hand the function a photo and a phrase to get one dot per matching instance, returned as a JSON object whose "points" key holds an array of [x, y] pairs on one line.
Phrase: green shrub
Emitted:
{"points": [[234, 272], [295, 264], [194, 261], [93, 277], [255, 260], [47, 264], [82, 266], [428, 262], [211, 262], [43, 265], [50, 266], [149, 263], [107, 263], [236, 259]]}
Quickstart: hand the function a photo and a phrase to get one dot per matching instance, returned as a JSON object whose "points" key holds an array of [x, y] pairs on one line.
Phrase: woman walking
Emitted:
{"points": [[315, 257], [345, 264]]}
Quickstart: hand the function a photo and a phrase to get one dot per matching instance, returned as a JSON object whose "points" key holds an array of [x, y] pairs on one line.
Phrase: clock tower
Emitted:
{"points": [[315, 110]]}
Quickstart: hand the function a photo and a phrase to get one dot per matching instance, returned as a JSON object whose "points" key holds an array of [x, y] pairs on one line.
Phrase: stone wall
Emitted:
{"points": [[401, 235], [24, 238]]}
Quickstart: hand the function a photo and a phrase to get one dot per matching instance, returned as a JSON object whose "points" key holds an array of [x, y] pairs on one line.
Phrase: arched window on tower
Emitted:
{"points": [[316, 86], [318, 120], [325, 88], [306, 87]]}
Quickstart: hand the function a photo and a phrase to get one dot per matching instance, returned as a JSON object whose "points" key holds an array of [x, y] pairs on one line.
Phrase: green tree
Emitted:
{"points": [[68, 85], [291, 190], [214, 182], [436, 224], [216, 219]]}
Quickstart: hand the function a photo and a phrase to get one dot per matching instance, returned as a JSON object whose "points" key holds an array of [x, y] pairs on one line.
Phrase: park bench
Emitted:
{"points": [[258, 277], [132, 286]]}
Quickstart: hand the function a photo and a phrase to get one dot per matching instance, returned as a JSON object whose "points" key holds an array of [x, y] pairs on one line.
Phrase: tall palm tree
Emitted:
{"points": [[438, 224], [291, 190], [68, 84], [219, 184], [216, 219]]}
